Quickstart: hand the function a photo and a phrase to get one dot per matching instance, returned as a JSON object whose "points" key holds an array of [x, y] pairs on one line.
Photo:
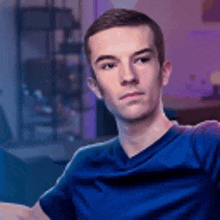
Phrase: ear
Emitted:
{"points": [[166, 71], [94, 86]]}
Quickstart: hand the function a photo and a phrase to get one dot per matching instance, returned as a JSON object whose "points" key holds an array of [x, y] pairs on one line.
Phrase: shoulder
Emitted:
{"points": [[208, 130], [199, 145], [210, 125], [85, 157], [207, 147], [203, 135], [202, 138], [97, 148], [205, 140]]}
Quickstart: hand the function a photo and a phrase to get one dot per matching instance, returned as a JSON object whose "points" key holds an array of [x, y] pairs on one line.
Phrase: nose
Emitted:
{"points": [[128, 75]]}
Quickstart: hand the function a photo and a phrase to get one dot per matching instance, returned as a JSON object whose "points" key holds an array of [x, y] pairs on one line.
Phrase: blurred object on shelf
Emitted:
{"points": [[215, 80], [51, 82], [70, 47], [37, 76], [46, 18]]}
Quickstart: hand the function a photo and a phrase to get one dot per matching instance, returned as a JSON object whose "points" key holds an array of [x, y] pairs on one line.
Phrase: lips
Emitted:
{"points": [[131, 94]]}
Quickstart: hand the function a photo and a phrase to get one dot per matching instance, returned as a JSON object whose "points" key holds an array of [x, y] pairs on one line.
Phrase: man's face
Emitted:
{"points": [[128, 73]]}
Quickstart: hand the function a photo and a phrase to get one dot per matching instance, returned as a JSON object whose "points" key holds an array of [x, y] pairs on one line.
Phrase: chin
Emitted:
{"points": [[135, 117], [133, 113]]}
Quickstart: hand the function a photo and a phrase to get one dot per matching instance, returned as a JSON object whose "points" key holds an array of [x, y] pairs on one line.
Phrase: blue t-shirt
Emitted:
{"points": [[177, 177]]}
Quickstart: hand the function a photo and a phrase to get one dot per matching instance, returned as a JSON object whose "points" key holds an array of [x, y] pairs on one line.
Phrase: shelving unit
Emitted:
{"points": [[50, 87]]}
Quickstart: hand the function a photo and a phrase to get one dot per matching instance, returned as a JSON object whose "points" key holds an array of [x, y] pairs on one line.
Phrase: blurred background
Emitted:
{"points": [[46, 110]]}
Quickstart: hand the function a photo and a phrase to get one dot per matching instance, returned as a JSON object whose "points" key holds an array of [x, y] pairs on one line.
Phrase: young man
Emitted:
{"points": [[154, 169]]}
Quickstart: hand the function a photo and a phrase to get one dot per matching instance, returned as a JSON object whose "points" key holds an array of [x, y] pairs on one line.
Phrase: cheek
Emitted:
{"points": [[109, 100], [108, 94], [105, 91], [158, 79]]}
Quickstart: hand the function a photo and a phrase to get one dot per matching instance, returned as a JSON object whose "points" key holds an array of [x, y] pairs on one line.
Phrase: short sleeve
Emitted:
{"points": [[208, 149], [57, 202]]}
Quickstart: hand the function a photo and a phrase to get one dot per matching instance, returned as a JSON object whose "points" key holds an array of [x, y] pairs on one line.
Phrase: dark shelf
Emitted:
{"points": [[70, 48], [52, 82], [46, 19]]}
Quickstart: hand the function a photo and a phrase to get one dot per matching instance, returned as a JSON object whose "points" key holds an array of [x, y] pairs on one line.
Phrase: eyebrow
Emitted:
{"points": [[145, 50], [103, 57]]}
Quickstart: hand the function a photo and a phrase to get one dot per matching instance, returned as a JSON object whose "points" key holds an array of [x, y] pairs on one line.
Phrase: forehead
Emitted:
{"points": [[121, 40]]}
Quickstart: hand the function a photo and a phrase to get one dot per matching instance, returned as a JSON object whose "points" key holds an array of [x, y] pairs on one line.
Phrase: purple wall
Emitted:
{"points": [[192, 45]]}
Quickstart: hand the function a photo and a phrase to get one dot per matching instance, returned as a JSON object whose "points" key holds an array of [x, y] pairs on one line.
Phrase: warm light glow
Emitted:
{"points": [[215, 78]]}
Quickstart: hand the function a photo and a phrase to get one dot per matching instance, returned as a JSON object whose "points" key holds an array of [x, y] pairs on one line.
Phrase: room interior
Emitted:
{"points": [[47, 115]]}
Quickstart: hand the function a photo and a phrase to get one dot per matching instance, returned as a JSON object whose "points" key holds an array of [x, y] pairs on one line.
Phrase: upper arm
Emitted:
{"points": [[38, 213], [57, 202]]}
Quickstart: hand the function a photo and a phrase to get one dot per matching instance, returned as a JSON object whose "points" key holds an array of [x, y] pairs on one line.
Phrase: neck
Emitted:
{"points": [[137, 136]]}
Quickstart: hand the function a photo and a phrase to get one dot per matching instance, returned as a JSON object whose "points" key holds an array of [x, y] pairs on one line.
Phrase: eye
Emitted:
{"points": [[107, 66], [142, 59]]}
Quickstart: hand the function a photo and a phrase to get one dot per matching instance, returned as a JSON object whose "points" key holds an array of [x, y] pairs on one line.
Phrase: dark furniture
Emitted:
{"points": [[192, 110], [23, 182]]}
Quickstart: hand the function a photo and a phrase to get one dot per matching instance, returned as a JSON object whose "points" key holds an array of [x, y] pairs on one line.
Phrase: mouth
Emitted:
{"points": [[132, 95]]}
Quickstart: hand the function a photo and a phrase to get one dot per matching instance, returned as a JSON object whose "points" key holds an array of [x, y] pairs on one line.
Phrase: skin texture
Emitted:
{"points": [[38, 213], [10, 211], [125, 61]]}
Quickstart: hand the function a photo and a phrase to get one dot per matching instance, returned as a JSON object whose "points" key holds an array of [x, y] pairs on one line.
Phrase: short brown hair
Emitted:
{"points": [[124, 17]]}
